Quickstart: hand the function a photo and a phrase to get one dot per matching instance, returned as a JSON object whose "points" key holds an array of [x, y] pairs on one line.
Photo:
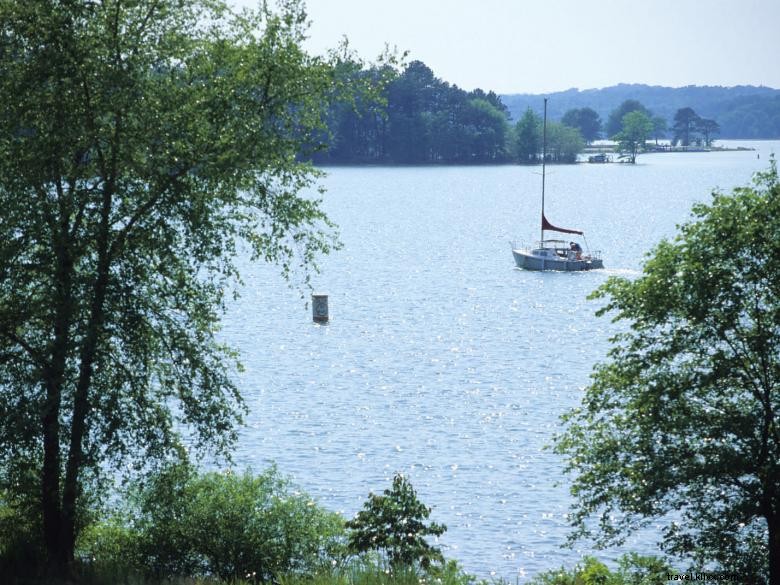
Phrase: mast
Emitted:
{"points": [[544, 160]]}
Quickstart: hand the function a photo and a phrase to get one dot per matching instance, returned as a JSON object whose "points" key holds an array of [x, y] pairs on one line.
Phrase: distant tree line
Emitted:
{"points": [[631, 125], [416, 118], [410, 116], [741, 111]]}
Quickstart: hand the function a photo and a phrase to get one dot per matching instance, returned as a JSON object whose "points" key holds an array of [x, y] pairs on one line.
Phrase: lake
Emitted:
{"points": [[442, 360]]}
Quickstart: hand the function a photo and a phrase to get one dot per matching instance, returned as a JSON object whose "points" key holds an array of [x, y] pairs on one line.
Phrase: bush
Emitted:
{"points": [[108, 550], [394, 524], [22, 552], [632, 569], [371, 570], [184, 523], [233, 526]]}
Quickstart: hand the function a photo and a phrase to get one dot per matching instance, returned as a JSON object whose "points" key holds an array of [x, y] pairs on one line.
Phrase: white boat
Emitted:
{"points": [[555, 254]]}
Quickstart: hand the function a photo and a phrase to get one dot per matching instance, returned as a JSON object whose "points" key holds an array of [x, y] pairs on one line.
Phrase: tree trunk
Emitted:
{"points": [[81, 404], [773, 522], [50, 480], [54, 374]]}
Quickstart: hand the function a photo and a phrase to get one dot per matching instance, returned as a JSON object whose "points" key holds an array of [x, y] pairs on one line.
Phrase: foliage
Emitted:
{"points": [[413, 118], [21, 547], [683, 417], [184, 523], [750, 117], [563, 143], [689, 127], [616, 122], [139, 146], [357, 116], [637, 127], [742, 111], [367, 571], [431, 121], [108, 550], [586, 120], [632, 570], [685, 123], [528, 137], [394, 523], [707, 129], [659, 128]]}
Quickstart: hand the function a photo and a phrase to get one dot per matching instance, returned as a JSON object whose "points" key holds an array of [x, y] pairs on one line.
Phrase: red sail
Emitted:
{"points": [[546, 225]]}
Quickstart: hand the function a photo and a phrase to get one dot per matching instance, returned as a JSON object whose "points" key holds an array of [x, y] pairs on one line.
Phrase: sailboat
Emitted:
{"points": [[555, 254]]}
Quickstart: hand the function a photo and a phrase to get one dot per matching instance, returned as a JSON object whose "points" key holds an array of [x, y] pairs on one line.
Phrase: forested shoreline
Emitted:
{"points": [[743, 112], [153, 152], [410, 116]]}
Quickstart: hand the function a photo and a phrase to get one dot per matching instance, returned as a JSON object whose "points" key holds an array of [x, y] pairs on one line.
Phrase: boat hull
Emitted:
{"points": [[527, 260]]}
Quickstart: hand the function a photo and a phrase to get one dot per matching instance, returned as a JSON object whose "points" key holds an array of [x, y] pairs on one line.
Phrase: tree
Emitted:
{"points": [[528, 137], [412, 99], [357, 124], [684, 417], [488, 128], [616, 117], [632, 570], [707, 128], [659, 128], [138, 148], [586, 120], [395, 524], [563, 143], [231, 525], [685, 124], [637, 127]]}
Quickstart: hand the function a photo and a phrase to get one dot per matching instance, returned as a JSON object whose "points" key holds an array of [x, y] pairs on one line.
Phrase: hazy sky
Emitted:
{"points": [[523, 46]]}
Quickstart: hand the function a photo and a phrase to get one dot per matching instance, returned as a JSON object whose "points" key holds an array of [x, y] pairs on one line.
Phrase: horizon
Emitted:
{"points": [[648, 85], [522, 47]]}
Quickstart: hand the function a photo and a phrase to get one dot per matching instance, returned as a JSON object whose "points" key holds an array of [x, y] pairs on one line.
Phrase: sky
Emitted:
{"points": [[542, 46]]}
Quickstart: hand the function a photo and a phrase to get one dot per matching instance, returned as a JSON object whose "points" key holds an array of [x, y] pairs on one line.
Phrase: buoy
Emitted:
{"points": [[319, 308]]}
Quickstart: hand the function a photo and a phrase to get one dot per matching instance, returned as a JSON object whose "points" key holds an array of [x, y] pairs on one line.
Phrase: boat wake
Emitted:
{"points": [[628, 272]]}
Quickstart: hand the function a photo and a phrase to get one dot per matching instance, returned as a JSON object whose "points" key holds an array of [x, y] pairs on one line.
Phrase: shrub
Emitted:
{"points": [[21, 548], [232, 526], [394, 524], [182, 523], [109, 548], [370, 570], [632, 569]]}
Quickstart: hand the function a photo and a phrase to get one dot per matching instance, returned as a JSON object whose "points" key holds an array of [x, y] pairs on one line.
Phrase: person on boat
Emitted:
{"points": [[577, 249]]}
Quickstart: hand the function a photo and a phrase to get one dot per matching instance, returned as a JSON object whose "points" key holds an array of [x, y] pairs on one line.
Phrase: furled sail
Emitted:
{"points": [[546, 225]]}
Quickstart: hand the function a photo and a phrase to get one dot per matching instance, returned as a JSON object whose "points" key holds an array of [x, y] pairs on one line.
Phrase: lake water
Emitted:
{"points": [[442, 360]]}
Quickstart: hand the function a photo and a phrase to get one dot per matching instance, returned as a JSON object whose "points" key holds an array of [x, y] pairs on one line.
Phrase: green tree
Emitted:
{"points": [[230, 525], [138, 147], [394, 523], [357, 124], [632, 570], [659, 128], [685, 124], [488, 127], [563, 143], [637, 127], [707, 128], [616, 117], [684, 417], [412, 99], [586, 120], [528, 137]]}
